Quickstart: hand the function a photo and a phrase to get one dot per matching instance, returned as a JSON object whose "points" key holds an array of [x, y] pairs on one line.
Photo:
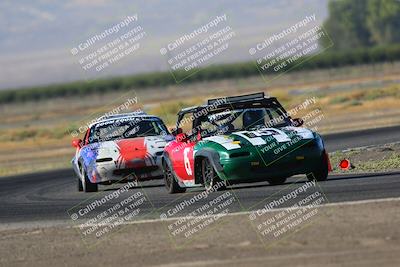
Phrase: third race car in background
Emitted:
{"points": [[238, 139]]}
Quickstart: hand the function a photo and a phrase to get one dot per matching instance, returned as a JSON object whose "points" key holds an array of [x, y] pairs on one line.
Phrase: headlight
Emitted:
{"points": [[223, 155]]}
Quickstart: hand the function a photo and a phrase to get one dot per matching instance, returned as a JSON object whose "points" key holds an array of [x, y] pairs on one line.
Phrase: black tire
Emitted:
{"points": [[80, 185], [277, 181], [170, 182], [321, 173], [88, 186], [210, 177]]}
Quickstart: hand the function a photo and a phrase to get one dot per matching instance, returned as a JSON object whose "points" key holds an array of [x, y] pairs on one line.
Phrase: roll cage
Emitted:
{"points": [[257, 100]]}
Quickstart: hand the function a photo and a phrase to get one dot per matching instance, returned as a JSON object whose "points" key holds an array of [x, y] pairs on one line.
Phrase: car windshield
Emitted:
{"points": [[228, 121], [127, 128]]}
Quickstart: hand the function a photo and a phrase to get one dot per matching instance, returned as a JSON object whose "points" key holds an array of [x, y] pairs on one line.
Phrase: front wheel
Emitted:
{"points": [[211, 180], [171, 184], [87, 185], [321, 172]]}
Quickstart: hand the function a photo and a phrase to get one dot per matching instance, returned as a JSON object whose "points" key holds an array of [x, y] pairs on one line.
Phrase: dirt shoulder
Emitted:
{"points": [[380, 158], [363, 234]]}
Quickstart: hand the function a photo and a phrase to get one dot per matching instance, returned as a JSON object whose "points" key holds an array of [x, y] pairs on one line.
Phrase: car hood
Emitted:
{"points": [[264, 137], [131, 151]]}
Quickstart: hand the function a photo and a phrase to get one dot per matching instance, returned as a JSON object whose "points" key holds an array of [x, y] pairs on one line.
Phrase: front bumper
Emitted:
{"points": [[258, 167], [107, 172]]}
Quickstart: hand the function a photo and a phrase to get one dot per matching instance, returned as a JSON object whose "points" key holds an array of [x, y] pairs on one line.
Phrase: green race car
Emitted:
{"points": [[241, 139]]}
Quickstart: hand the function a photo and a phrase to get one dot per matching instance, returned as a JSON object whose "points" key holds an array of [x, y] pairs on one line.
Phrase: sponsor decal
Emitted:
{"points": [[255, 137], [224, 141], [303, 132]]}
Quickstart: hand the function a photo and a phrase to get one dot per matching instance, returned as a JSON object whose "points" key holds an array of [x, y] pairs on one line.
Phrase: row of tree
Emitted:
{"points": [[363, 32], [363, 23], [330, 59]]}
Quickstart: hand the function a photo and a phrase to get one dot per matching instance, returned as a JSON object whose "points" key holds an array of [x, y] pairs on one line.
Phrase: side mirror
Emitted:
{"points": [[176, 131], [77, 143], [297, 122]]}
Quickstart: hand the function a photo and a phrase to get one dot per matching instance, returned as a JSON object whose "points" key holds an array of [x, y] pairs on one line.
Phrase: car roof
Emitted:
{"points": [[118, 116]]}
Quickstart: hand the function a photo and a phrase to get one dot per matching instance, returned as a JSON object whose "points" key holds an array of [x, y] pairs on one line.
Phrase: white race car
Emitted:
{"points": [[120, 148]]}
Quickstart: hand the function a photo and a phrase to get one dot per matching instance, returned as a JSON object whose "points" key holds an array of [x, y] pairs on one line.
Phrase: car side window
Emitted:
{"points": [[90, 138], [186, 123], [85, 137], [275, 115]]}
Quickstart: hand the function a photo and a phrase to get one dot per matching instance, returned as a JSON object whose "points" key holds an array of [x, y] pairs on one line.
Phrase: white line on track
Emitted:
{"points": [[344, 203], [67, 223]]}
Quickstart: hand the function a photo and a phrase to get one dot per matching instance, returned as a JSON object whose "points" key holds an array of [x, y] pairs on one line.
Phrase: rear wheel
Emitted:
{"points": [[170, 180], [211, 180], [87, 186], [321, 172], [277, 181]]}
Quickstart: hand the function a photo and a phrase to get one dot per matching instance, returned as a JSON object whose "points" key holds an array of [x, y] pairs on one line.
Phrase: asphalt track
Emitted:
{"points": [[49, 196]]}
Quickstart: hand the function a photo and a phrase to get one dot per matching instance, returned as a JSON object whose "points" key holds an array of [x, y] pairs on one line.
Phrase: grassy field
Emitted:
{"points": [[36, 135]]}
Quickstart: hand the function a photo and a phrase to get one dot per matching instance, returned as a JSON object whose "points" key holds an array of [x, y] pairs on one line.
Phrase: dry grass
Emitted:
{"points": [[371, 159]]}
